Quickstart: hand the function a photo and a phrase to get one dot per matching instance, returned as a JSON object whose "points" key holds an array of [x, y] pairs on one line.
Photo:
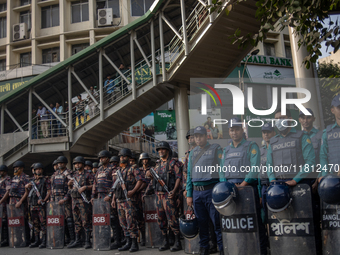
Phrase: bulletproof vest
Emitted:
{"points": [[287, 151], [17, 188], [201, 170], [235, 158], [333, 140], [59, 185], [316, 141], [168, 178], [263, 175], [103, 182], [130, 185], [81, 181], [34, 198]]}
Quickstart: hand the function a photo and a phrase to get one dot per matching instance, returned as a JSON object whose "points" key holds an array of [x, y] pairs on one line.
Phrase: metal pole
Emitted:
{"points": [[161, 38], [84, 87], [132, 54], [153, 52], [101, 85], [13, 119], [184, 26], [70, 110], [30, 109], [2, 119]]}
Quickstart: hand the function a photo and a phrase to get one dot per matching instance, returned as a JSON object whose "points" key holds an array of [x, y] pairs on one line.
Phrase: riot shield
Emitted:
{"points": [[101, 225], [293, 228], [330, 228], [153, 234], [240, 232], [16, 226], [1, 209], [55, 223], [191, 246]]}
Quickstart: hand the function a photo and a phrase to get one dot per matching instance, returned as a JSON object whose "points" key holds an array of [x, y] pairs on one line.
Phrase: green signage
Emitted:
{"points": [[269, 60], [10, 85]]}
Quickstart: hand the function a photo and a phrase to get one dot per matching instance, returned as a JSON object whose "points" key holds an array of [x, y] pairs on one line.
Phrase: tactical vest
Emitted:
{"points": [[287, 151], [82, 182], [130, 185], [33, 200], [59, 187], [333, 140], [168, 178], [235, 158], [16, 190], [103, 182], [316, 141], [263, 175], [201, 170]]}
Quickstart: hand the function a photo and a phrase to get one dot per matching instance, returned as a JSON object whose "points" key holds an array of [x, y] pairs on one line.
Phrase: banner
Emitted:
{"points": [[165, 125]]}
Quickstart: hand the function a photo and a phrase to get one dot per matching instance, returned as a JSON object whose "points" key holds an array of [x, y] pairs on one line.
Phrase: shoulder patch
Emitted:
{"points": [[220, 155], [253, 151], [308, 140]]}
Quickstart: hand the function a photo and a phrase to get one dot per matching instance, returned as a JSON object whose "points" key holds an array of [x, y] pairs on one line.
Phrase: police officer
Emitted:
{"points": [[80, 206], [170, 172], [133, 180], [38, 204], [59, 193], [18, 193], [242, 153], [88, 166], [289, 149], [5, 181], [199, 187], [95, 167]]}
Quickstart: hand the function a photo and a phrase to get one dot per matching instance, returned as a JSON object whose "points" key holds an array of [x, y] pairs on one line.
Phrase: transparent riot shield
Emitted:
{"points": [[240, 232], [293, 228], [55, 222], [101, 225], [191, 246], [153, 234], [330, 218], [16, 226]]}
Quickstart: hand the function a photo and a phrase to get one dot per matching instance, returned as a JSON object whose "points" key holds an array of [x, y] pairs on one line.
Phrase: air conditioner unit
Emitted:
{"points": [[104, 17], [19, 31]]}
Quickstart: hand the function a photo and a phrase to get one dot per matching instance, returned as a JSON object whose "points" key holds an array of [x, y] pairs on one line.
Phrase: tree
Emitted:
{"points": [[306, 16]]}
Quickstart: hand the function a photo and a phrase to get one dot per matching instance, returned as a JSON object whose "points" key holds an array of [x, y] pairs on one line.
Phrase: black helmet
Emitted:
{"points": [[62, 159], [79, 159], [114, 159], [190, 133], [125, 152], [144, 155], [104, 154], [133, 155], [95, 165], [88, 163], [55, 162], [174, 154], [19, 163], [163, 145], [4, 168], [329, 189], [38, 165]]}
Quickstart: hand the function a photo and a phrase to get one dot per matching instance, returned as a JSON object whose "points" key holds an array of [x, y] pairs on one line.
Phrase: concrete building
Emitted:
{"points": [[335, 58]]}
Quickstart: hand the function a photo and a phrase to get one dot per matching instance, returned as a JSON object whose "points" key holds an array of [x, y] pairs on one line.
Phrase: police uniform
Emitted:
{"points": [[5, 183], [199, 187]]}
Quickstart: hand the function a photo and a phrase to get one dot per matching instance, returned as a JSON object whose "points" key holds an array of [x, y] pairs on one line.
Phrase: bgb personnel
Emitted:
{"points": [[169, 171], [200, 185], [95, 167], [88, 166], [5, 181], [80, 204], [38, 204]]}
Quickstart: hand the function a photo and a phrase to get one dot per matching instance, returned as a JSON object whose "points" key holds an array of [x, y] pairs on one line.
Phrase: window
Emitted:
{"points": [[78, 47], [269, 49], [2, 64], [50, 16], [288, 51], [25, 2], [139, 7], [80, 11], [113, 4], [25, 17], [3, 27], [51, 55], [3, 7], [25, 59]]}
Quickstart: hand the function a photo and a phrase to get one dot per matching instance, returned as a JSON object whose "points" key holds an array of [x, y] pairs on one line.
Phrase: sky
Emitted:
{"points": [[326, 53]]}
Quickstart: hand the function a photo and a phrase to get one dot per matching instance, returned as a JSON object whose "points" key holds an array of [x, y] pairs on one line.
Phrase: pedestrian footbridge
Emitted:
{"points": [[174, 41]]}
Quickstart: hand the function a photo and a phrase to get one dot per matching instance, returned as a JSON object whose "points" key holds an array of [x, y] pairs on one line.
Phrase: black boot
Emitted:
{"points": [[178, 245], [70, 227], [123, 239], [43, 242], [171, 237], [213, 240], [142, 241], [32, 239], [204, 251], [27, 233], [4, 241], [77, 242], [87, 240], [116, 235], [127, 246], [36, 243], [134, 245], [67, 235], [165, 245], [222, 252]]}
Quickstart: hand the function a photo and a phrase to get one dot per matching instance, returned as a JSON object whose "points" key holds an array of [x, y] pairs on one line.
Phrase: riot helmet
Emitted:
{"points": [[125, 152], [329, 189], [188, 227], [114, 159], [278, 196], [224, 195], [62, 159], [104, 154]]}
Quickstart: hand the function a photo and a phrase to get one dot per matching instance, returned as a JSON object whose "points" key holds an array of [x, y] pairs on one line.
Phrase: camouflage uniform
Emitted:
{"points": [[38, 212], [17, 190], [81, 209], [127, 210], [5, 184]]}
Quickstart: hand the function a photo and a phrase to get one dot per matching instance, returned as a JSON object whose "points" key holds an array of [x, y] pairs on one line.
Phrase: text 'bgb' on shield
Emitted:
{"points": [[101, 219], [16, 221], [151, 216], [55, 220]]}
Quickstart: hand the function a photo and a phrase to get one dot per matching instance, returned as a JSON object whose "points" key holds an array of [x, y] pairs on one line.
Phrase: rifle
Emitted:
{"points": [[37, 192], [122, 184], [76, 184], [159, 180]]}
